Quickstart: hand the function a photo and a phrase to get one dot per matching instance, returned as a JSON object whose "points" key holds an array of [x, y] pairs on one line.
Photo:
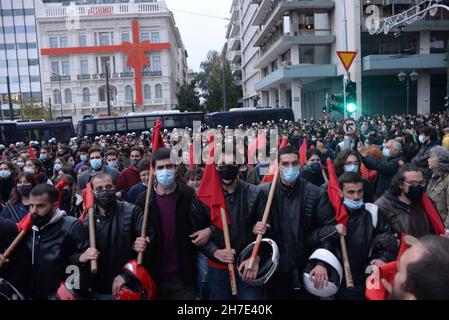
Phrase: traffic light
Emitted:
{"points": [[324, 109], [351, 97], [446, 104], [337, 103]]}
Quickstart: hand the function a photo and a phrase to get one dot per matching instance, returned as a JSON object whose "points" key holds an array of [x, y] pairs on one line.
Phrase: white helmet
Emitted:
{"points": [[269, 262], [335, 273]]}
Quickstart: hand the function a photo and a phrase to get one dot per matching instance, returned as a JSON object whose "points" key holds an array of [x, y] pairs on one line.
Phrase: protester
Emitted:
{"points": [[438, 188]]}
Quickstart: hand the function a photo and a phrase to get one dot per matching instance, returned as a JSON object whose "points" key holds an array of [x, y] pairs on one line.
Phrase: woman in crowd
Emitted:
{"points": [[438, 188], [34, 166], [8, 174], [57, 165]]}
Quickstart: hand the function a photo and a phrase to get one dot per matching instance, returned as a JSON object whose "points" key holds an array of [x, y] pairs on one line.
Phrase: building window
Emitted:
{"points": [[126, 68], [53, 42], [68, 96], [112, 92], [306, 22], [65, 66], [156, 62], [158, 91], [57, 96], [144, 36], [86, 95], [82, 40], [55, 67], [147, 92], [63, 42], [155, 38], [128, 93], [125, 37], [104, 38], [84, 66]]}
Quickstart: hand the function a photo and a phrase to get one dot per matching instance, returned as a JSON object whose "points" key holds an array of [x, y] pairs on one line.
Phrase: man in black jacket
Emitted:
{"points": [[118, 226], [301, 216], [54, 243], [369, 238], [245, 203], [387, 167], [175, 213]]}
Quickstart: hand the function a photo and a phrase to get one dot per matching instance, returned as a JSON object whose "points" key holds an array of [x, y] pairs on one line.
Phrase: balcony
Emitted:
{"points": [[235, 43], [286, 42], [151, 73], [127, 74], [235, 11], [305, 72], [270, 10], [236, 69], [235, 56], [83, 77], [60, 78], [111, 76]]}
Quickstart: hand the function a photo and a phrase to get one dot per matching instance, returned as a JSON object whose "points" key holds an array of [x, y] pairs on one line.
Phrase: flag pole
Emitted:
{"points": [[228, 247], [146, 213], [266, 214], [92, 242], [12, 247]]}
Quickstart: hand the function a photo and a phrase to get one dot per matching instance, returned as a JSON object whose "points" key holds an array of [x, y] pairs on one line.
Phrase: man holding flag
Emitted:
{"points": [[298, 213], [244, 203]]}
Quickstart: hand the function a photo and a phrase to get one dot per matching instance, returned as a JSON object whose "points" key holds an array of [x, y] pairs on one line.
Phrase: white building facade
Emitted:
{"points": [[83, 44]]}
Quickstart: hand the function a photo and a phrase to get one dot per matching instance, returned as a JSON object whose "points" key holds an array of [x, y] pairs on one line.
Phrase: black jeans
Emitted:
{"points": [[175, 289]]}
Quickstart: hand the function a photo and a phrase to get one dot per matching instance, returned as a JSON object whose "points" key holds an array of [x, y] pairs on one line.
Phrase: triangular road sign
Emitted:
{"points": [[347, 58]]}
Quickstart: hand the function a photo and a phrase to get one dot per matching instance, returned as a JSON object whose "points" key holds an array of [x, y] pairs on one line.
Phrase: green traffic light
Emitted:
{"points": [[351, 107]]}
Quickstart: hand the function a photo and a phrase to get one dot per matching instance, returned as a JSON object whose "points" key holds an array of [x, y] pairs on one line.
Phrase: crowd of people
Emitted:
{"points": [[383, 172]]}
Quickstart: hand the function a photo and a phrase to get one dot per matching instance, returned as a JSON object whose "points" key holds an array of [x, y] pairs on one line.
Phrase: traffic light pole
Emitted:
{"points": [[345, 81]]}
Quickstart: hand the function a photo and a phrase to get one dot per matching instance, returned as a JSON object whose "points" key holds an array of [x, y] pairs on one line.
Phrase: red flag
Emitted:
{"points": [[157, 142], [303, 152], [191, 159], [332, 190], [60, 187], [31, 153], [283, 143], [210, 192], [25, 224], [4, 155], [432, 215], [88, 200], [274, 166], [375, 290], [259, 143]]}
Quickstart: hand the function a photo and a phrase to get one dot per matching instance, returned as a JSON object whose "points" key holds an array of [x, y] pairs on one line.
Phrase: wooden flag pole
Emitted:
{"points": [[266, 214], [9, 251], [146, 213], [348, 274], [92, 241], [228, 247]]}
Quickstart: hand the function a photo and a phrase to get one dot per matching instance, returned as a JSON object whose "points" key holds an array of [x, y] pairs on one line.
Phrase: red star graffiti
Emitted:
{"points": [[135, 52]]}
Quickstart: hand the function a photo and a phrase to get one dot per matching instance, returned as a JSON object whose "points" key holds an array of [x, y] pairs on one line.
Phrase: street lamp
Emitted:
{"points": [[60, 91], [408, 80]]}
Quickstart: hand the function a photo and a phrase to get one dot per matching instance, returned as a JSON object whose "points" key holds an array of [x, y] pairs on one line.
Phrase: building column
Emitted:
{"points": [[282, 96], [296, 99], [265, 99], [423, 92], [273, 98], [295, 55]]}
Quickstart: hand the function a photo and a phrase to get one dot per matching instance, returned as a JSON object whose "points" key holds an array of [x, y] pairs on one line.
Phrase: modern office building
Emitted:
{"points": [[294, 48], [132, 46], [19, 59]]}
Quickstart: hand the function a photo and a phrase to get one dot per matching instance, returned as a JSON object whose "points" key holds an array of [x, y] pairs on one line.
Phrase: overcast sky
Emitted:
{"points": [[199, 33]]}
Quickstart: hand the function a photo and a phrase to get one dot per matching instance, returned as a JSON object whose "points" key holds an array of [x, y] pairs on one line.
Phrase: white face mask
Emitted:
{"points": [[28, 169]]}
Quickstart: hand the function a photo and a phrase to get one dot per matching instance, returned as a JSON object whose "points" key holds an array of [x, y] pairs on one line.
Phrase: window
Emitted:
{"points": [[106, 126], [63, 41], [144, 36], [126, 68], [128, 93], [86, 95], [104, 38], [68, 96], [82, 40], [55, 67], [65, 66], [306, 22], [57, 96], [112, 92], [147, 92], [84, 66], [156, 62], [158, 91], [438, 42], [125, 37], [136, 123], [155, 38], [53, 42], [148, 66]]}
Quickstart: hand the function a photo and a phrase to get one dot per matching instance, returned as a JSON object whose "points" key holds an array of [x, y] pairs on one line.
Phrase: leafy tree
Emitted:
{"points": [[188, 99]]}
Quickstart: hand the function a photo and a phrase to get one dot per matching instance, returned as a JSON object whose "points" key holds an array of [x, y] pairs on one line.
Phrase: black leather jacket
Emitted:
{"points": [[53, 248], [115, 236], [302, 220], [246, 206]]}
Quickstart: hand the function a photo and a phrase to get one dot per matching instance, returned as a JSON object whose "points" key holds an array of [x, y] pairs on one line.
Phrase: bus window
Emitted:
{"points": [[104, 126], [63, 134], [121, 124], [89, 127], [150, 122], [136, 123], [172, 121]]}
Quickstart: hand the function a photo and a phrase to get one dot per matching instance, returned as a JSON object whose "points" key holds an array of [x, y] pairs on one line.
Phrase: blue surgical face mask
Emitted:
{"points": [[353, 204], [352, 168], [43, 156], [165, 177], [315, 166], [113, 164], [57, 166], [290, 174], [5, 174], [96, 164], [386, 152], [21, 164], [422, 139], [135, 163], [83, 158]]}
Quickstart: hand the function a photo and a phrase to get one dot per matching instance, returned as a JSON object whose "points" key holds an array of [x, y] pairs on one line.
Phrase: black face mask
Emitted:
{"points": [[40, 221], [415, 193], [105, 198], [228, 172], [24, 189]]}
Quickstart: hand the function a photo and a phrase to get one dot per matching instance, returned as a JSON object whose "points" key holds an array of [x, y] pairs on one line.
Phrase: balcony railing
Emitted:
{"points": [[60, 78], [151, 73], [84, 77], [127, 74]]}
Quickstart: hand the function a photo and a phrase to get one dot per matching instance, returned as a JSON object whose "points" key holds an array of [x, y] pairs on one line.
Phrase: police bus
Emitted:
{"points": [[8, 132], [247, 116], [136, 122]]}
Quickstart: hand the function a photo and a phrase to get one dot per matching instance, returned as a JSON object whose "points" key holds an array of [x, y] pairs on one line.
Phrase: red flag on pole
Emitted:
{"points": [[60, 187], [88, 200], [25, 224], [259, 143], [432, 215], [157, 142], [332, 190], [274, 166], [191, 159], [303, 152], [210, 191], [31, 152]]}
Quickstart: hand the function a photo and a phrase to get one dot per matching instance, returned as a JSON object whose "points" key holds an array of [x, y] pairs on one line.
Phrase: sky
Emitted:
{"points": [[201, 34]]}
